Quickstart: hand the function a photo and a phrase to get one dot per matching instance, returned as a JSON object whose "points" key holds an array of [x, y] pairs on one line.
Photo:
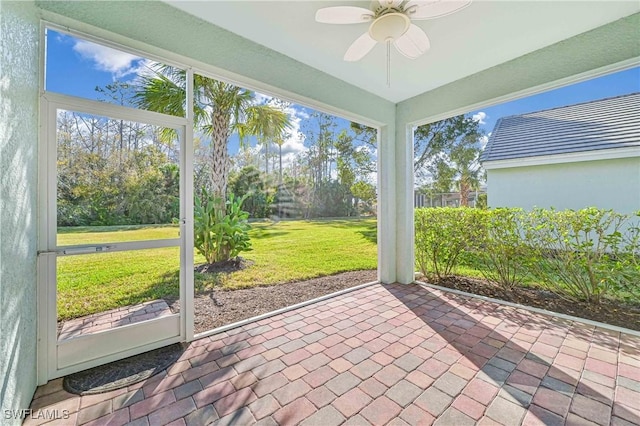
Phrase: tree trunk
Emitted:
{"points": [[280, 161], [121, 132], [465, 189], [273, 162], [280, 186], [219, 154]]}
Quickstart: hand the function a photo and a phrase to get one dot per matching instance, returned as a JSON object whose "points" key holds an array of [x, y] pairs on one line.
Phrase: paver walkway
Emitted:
{"points": [[114, 318], [385, 354]]}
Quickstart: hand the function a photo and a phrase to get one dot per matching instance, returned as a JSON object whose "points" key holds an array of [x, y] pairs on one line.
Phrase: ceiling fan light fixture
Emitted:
{"points": [[390, 23], [389, 27]]}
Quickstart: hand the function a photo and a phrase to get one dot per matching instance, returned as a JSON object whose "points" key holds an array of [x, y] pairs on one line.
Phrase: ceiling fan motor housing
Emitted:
{"points": [[389, 27]]}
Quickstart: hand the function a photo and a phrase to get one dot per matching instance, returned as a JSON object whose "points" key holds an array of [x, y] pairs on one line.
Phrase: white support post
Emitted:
{"points": [[187, 201], [44, 262], [386, 205], [405, 251]]}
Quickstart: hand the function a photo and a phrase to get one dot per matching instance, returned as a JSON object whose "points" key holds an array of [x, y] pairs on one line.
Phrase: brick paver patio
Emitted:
{"points": [[113, 318], [385, 354]]}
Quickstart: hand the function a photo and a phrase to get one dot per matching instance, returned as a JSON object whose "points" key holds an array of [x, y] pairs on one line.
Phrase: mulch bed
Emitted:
{"points": [[613, 313], [231, 265], [215, 308]]}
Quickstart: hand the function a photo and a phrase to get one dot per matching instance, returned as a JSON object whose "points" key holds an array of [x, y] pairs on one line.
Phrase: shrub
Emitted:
{"points": [[577, 253], [221, 229], [630, 259], [504, 255], [443, 235]]}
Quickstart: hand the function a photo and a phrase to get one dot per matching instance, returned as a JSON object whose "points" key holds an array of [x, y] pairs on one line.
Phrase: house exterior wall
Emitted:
{"points": [[607, 184], [19, 35]]}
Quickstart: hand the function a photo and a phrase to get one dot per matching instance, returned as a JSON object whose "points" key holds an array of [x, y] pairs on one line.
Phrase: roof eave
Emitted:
{"points": [[572, 157]]}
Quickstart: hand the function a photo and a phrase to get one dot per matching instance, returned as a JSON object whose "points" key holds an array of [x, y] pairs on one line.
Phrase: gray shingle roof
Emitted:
{"points": [[603, 124]]}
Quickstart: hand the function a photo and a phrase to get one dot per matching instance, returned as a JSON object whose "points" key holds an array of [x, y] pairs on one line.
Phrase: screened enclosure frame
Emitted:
{"points": [[57, 359]]}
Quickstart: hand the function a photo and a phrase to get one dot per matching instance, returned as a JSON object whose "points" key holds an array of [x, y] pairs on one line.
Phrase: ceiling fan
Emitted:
{"points": [[390, 22]]}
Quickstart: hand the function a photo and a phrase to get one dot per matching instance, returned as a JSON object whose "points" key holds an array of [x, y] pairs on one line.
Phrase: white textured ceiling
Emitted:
{"points": [[483, 35]]}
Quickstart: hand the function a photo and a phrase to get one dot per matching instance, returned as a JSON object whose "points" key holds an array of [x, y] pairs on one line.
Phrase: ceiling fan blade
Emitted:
{"points": [[343, 15], [420, 9], [359, 48], [413, 43], [390, 3]]}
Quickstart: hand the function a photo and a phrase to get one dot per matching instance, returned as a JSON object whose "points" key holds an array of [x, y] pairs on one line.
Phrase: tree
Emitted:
{"points": [[367, 135], [447, 153], [250, 184], [465, 161], [220, 109], [114, 172], [282, 136], [365, 192]]}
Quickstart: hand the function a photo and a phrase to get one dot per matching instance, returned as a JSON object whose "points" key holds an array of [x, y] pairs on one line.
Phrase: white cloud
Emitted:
{"points": [[479, 117], [303, 114], [145, 67], [107, 59], [483, 141], [261, 98], [294, 143]]}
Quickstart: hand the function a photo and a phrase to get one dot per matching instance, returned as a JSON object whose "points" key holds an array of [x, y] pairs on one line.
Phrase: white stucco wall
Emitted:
{"points": [[19, 33], [607, 184]]}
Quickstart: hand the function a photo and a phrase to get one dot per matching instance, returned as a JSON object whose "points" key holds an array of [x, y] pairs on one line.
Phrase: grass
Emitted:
{"points": [[108, 234], [282, 252], [298, 250], [98, 282]]}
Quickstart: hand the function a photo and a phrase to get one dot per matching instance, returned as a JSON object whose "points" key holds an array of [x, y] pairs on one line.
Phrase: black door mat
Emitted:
{"points": [[125, 372]]}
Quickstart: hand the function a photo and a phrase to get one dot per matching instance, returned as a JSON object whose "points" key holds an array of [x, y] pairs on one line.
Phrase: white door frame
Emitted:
{"points": [[56, 359]]}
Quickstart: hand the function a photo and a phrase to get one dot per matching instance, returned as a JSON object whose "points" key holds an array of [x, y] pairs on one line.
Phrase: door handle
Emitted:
{"points": [[91, 249], [79, 250]]}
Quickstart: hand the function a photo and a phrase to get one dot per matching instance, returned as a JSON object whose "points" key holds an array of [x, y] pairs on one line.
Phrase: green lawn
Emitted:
{"points": [[283, 252]]}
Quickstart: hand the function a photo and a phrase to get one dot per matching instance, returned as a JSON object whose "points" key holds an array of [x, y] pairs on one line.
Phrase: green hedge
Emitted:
{"points": [[579, 255]]}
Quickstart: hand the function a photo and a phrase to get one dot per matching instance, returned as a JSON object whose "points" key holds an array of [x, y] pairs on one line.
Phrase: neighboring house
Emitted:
{"points": [[567, 158]]}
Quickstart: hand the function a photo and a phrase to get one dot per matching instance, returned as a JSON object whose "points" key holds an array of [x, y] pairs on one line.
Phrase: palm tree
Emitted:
{"points": [[467, 166], [220, 109]]}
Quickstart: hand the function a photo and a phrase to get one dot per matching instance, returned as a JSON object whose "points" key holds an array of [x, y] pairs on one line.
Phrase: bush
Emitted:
{"points": [[577, 253], [221, 229], [443, 235], [503, 254], [630, 260]]}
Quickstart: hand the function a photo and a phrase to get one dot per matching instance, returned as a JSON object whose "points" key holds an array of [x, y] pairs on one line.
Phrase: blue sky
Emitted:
{"points": [[76, 67]]}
